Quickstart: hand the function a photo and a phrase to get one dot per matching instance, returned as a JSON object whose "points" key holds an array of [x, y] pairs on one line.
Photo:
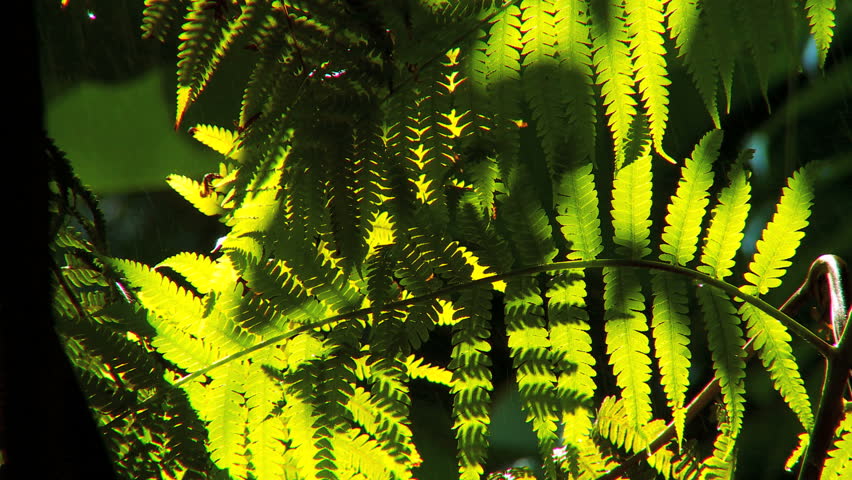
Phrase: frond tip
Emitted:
{"points": [[821, 19]]}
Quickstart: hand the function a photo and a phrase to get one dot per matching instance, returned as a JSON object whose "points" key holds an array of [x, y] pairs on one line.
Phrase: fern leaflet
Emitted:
{"points": [[777, 245], [645, 27], [821, 19], [615, 73]]}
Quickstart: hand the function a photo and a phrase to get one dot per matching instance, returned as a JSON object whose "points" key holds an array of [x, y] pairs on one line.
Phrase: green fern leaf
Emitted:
{"points": [[682, 17], [615, 74], [670, 327], [838, 464], [725, 233], [571, 344], [764, 33], [821, 20], [158, 17], [627, 343], [417, 369], [504, 46], [471, 381], [198, 33], [782, 235], [725, 339], [527, 223], [222, 406], [693, 45], [777, 245], [613, 423], [688, 205], [219, 139], [540, 58], [384, 424], [772, 342], [721, 35], [530, 349], [721, 464], [631, 207], [503, 75], [363, 457], [645, 27], [193, 192], [575, 57], [796, 454], [266, 433], [298, 417], [700, 62], [203, 273], [577, 212]]}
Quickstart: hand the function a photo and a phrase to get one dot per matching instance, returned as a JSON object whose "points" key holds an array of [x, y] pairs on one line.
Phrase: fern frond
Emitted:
{"points": [[199, 32], [389, 403], [670, 320], [764, 34], [576, 79], [772, 342], [782, 235], [613, 423], [471, 381], [615, 74], [417, 369], [363, 457], [777, 245], [821, 19], [838, 464], [631, 207], [728, 219], [193, 192], [530, 349], [202, 272], [645, 26], [688, 205], [266, 436], [725, 339], [220, 140], [682, 17], [721, 464], [222, 405], [720, 33], [571, 346], [578, 213], [796, 455], [503, 75], [527, 223], [670, 327], [700, 61], [627, 343], [158, 17], [540, 73]]}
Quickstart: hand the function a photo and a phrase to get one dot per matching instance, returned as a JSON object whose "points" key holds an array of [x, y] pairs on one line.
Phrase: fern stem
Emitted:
{"points": [[702, 280], [834, 309], [822, 347]]}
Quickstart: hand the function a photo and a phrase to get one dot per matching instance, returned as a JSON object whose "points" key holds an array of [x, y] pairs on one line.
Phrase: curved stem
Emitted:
{"points": [[703, 279]]}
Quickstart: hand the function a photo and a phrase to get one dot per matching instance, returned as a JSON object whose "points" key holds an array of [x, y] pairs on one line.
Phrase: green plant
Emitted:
{"points": [[379, 188]]}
